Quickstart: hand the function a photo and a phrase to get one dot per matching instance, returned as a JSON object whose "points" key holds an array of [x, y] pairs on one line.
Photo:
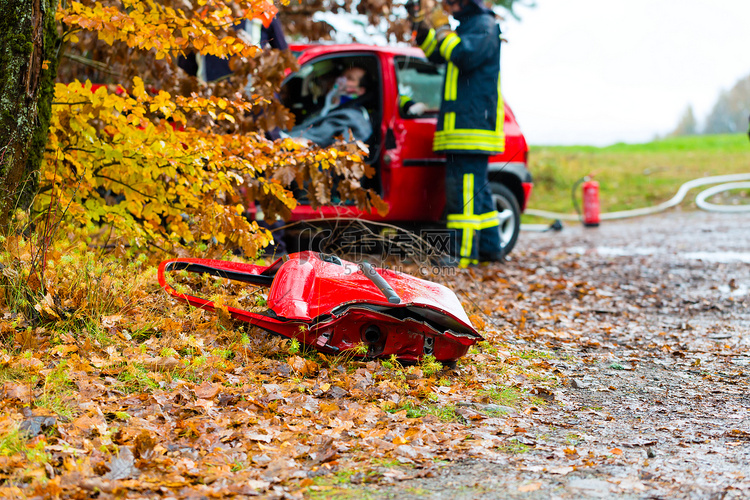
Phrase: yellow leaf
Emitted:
{"points": [[398, 440], [107, 37]]}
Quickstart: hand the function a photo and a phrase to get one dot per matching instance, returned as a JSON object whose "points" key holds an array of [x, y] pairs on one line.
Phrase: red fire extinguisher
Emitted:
{"points": [[590, 202]]}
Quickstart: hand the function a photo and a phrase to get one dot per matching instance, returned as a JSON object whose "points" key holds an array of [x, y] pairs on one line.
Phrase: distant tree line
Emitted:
{"points": [[729, 115]]}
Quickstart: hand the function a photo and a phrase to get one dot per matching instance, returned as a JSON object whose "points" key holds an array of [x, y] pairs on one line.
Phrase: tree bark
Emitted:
{"points": [[28, 65]]}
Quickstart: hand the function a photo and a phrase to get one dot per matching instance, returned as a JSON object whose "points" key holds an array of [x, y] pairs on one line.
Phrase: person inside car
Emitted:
{"points": [[343, 111]]}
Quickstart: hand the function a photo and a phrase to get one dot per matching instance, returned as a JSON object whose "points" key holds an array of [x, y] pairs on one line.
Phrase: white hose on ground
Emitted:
{"points": [[733, 181], [700, 200]]}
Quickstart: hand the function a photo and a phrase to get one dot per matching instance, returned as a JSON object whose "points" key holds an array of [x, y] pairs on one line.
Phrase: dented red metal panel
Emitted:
{"points": [[334, 305]]}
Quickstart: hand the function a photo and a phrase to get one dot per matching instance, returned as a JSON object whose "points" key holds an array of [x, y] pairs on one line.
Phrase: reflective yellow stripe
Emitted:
{"points": [[466, 222], [446, 90], [451, 83], [449, 43], [464, 139], [450, 138], [471, 146], [454, 83], [467, 225], [477, 132], [429, 43], [470, 221], [468, 194], [488, 220], [500, 124], [464, 262], [403, 100], [466, 241], [459, 221], [449, 121]]}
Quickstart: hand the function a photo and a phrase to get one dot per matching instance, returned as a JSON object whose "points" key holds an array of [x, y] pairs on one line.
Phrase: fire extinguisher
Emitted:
{"points": [[590, 203], [590, 215]]}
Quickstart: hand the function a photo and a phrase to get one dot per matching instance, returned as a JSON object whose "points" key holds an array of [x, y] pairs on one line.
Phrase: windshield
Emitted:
{"points": [[420, 80]]}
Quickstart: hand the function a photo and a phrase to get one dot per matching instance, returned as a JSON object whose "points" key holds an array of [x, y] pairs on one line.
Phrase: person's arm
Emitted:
{"points": [[323, 130], [428, 30], [275, 35], [466, 52], [410, 107], [188, 63]]}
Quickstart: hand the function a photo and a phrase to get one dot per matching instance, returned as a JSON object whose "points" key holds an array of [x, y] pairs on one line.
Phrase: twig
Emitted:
{"points": [[127, 186], [99, 66]]}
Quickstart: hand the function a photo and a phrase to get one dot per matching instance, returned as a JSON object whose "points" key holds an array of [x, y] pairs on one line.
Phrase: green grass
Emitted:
{"points": [[336, 486], [14, 442], [505, 396], [134, 378], [514, 447], [446, 413], [633, 175]]}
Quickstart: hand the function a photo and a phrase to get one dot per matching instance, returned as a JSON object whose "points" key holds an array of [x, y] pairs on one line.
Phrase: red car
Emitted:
{"points": [[410, 176]]}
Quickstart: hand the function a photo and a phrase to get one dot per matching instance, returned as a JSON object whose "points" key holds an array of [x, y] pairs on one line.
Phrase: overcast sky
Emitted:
{"points": [[604, 71]]}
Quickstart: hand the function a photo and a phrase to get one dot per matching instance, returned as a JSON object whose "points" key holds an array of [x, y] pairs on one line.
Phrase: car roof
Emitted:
{"points": [[305, 51]]}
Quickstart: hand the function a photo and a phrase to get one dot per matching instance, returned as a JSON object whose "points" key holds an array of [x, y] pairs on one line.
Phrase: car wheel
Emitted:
{"points": [[510, 215]]}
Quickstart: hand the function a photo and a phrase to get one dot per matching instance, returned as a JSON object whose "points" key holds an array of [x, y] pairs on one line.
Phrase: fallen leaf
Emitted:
{"points": [[34, 426], [207, 390], [122, 466], [398, 440], [17, 391], [161, 363], [561, 470], [525, 488], [110, 321]]}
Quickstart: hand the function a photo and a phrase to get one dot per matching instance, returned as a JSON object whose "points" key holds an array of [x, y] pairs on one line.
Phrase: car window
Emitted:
{"points": [[420, 80], [304, 92]]}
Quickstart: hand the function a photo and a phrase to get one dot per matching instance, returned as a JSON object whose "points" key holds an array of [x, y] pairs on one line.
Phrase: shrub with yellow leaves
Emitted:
{"points": [[160, 165]]}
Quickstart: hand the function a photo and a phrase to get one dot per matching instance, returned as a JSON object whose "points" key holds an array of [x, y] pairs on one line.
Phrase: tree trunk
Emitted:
{"points": [[28, 65]]}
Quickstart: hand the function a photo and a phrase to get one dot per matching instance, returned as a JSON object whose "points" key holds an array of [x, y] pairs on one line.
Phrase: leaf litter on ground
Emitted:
{"points": [[152, 396]]}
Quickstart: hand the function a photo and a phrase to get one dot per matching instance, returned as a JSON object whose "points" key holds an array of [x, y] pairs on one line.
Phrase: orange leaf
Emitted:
{"points": [[525, 488], [207, 390], [398, 440]]}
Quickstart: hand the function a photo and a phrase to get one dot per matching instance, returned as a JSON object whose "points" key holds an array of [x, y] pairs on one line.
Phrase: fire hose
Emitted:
{"points": [[726, 183]]}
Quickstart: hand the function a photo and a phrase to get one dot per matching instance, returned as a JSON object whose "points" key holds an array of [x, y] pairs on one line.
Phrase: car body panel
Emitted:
{"points": [[334, 305]]}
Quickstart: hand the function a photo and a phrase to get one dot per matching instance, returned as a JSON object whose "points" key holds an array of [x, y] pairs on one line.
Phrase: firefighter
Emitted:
{"points": [[470, 123]]}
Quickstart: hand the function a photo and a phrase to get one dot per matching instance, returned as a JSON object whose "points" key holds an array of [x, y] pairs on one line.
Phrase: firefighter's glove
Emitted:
{"points": [[415, 11], [438, 18], [439, 21], [417, 109]]}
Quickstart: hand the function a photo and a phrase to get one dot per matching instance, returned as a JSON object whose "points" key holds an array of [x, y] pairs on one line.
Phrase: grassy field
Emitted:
{"points": [[633, 175]]}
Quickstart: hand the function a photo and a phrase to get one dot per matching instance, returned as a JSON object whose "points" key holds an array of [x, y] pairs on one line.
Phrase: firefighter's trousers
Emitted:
{"points": [[472, 220]]}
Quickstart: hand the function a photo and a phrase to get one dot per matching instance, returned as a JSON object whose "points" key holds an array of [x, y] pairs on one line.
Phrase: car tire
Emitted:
{"points": [[506, 204]]}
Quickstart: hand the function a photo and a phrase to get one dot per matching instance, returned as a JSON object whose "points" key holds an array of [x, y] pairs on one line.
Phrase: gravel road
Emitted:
{"points": [[652, 363]]}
